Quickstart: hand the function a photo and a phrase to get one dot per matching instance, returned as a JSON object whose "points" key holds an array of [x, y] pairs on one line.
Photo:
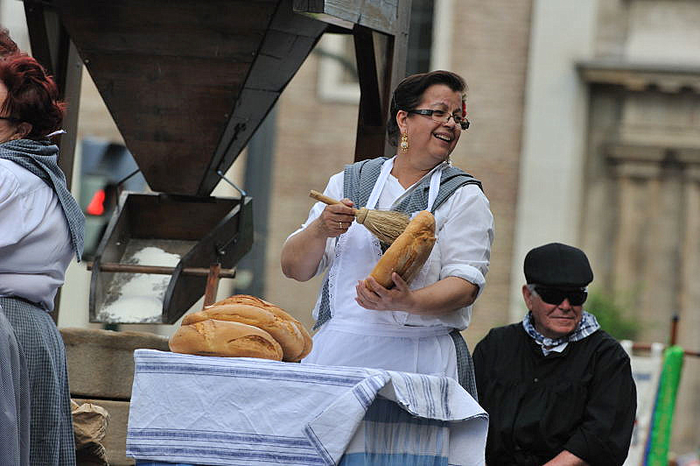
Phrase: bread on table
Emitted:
{"points": [[289, 334], [225, 338], [408, 252], [277, 311], [284, 331]]}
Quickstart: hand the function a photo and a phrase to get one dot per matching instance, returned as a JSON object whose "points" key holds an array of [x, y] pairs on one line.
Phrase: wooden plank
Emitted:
{"points": [[177, 27], [159, 270], [230, 240], [272, 71], [212, 285], [52, 47], [239, 130], [175, 217], [379, 15], [69, 74], [381, 62], [289, 40], [367, 71], [394, 58], [372, 114], [38, 35], [170, 110], [170, 73]]}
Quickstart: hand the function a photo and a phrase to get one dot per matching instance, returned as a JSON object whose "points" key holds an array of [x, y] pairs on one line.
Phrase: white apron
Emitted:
{"points": [[360, 337]]}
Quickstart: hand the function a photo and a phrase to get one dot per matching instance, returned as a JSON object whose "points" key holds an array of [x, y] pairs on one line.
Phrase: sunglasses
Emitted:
{"points": [[551, 295]]}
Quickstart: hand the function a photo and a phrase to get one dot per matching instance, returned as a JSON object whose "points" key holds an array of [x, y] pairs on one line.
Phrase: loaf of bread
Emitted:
{"points": [[224, 338], [408, 252], [283, 330], [277, 311]]}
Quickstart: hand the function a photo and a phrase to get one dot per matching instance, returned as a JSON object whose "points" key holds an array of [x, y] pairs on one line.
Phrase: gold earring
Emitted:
{"points": [[404, 142]]}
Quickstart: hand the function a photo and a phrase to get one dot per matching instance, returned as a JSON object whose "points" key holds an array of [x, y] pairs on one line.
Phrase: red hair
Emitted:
{"points": [[7, 45], [32, 95]]}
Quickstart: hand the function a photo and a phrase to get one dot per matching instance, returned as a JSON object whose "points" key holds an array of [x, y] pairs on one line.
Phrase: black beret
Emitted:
{"points": [[557, 264]]}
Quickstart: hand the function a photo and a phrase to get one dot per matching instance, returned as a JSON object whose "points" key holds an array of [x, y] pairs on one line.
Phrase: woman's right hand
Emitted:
{"points": [[303, 251], [336, 219]]}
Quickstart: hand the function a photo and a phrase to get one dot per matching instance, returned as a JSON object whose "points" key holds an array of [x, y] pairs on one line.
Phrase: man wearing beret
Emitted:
{"points": [[558, 389]]}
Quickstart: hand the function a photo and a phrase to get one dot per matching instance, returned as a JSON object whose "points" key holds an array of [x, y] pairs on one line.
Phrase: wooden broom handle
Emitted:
{"points": [[322, 197], [325, 199]]}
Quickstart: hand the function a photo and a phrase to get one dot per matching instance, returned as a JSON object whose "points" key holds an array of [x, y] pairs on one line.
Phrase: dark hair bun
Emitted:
{"points": [[32, 95]]}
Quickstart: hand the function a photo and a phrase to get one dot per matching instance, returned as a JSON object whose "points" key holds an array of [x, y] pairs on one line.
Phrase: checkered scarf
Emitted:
{"points": [[41, 158], [588, 325]]}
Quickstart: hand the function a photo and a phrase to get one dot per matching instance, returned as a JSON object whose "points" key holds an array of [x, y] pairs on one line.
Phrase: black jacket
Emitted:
{"points": [[582, 400]]}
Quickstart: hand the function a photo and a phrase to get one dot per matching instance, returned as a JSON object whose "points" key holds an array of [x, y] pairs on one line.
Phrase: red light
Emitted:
{"points": [[97, 204]]}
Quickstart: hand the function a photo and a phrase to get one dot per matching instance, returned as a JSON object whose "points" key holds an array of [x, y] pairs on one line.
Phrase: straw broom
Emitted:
{"points": [[386, 225]]}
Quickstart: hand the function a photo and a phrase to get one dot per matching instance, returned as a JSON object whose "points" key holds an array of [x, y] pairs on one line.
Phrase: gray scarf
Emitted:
{"points": [[41, 158]]}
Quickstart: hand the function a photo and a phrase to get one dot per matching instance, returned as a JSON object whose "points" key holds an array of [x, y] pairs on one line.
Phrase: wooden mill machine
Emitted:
{"points": [[188, 83]]}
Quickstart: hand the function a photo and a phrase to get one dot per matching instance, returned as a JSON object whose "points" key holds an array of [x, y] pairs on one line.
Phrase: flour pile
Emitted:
{"points": [[138, 298]]}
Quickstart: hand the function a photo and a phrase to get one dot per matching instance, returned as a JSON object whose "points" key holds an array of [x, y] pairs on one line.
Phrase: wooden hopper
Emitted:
{"points": [[188, 83]]}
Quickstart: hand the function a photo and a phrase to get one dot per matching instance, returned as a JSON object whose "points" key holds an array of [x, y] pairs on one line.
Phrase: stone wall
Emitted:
{"points": [[642, 206]]}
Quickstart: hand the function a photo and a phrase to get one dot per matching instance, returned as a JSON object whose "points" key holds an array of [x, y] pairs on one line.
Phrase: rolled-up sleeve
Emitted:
{"points": [[466, 235], [334, 189]]}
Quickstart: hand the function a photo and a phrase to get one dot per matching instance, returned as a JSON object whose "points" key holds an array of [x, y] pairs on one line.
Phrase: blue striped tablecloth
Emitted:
{"points": [[196, 410]]}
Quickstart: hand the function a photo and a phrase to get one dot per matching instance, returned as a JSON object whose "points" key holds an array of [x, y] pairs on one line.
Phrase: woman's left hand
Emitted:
{"points": [[372, 295]]}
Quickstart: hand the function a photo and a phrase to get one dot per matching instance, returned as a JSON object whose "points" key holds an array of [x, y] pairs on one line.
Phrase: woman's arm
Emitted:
{"points": [[303, 251], [464, 246], [442, 297]]}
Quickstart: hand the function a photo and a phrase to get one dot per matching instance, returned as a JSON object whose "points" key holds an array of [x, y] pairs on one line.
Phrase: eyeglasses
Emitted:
{"points": [[9, 118], [441, 116], [552, 295]]}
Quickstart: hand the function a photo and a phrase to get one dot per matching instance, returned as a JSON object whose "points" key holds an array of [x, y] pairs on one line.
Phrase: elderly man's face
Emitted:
{"points": [[552, 320]]}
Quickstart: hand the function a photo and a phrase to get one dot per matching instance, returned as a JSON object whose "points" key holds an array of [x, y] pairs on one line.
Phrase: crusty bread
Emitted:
{"points": [[285, 331], [223, 338], [277, 311], [408, 252]]}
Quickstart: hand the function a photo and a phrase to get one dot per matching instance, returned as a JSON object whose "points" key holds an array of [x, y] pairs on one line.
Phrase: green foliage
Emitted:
{"points": [[611, 316]]}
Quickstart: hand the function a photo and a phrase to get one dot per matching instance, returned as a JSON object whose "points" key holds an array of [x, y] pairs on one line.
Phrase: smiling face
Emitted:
{"points": [[552, 320], [431, 139]]}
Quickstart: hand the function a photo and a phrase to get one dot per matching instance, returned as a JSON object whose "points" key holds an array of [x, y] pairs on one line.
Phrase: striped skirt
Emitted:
{"points": [[51, 426]]}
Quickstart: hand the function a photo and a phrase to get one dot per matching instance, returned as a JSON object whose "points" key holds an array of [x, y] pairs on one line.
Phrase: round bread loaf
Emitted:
{"points": [[277, 311], [284, 331], [223, 338], [408, 252]]}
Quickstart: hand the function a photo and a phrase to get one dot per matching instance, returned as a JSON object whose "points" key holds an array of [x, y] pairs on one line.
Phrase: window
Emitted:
{"points": [[420, 37], [338, 71]]}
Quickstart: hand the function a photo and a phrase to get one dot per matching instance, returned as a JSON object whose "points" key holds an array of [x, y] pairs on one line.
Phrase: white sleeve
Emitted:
{"points": [[466, 236], [12, 210], [334, 189]]}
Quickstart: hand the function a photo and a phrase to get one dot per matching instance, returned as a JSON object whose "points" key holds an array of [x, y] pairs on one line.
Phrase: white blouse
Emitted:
{"points": [[35, 246], [465, 230]]}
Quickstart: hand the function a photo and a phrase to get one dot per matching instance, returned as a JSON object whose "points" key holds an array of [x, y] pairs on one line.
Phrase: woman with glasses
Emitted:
{"points": [[412, 328], [41, 229]]}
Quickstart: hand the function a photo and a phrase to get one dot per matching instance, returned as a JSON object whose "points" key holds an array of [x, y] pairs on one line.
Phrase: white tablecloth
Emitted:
{"points": [[243, 411]]}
